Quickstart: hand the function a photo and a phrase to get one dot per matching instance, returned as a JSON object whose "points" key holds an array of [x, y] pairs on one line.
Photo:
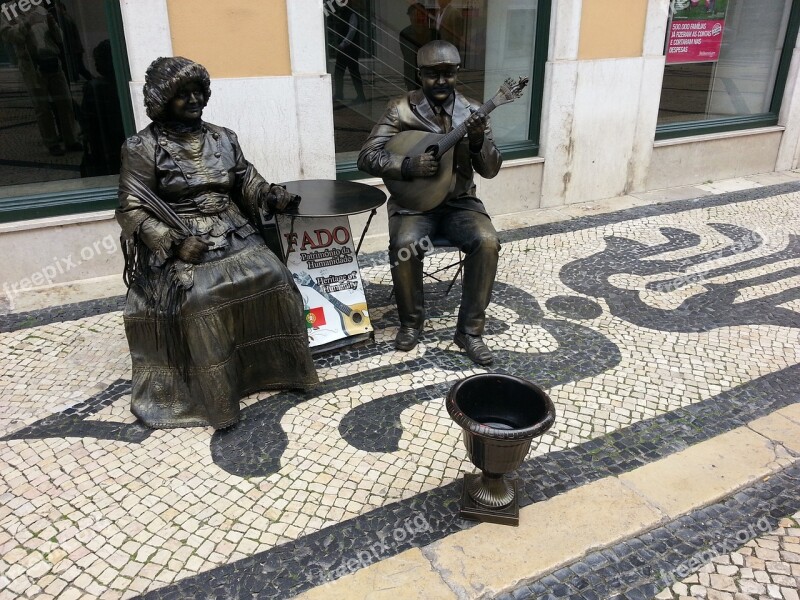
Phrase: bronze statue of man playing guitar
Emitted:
{"points": [[430, 177]]}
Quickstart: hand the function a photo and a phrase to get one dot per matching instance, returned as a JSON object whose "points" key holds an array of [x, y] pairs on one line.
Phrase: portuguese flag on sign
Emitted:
{"points": [[315, 317]]}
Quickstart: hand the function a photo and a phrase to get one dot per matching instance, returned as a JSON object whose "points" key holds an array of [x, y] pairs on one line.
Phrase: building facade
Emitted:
{"points": [[625, 96]]}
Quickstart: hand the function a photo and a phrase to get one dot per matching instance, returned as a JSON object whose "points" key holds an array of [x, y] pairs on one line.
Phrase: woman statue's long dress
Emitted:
{"points": [[211, 313]]}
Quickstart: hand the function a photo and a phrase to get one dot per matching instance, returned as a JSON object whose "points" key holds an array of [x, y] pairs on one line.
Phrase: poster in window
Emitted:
{"points": [[695, 31], [324, 266]]}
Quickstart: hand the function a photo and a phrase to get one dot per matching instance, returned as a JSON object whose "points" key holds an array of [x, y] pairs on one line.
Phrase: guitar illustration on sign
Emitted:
{"points": [[354, 318], [426, 193]]}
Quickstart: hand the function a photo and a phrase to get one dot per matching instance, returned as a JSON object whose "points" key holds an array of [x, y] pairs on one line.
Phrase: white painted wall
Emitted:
{"points": [[316, 154], [146, 24]]}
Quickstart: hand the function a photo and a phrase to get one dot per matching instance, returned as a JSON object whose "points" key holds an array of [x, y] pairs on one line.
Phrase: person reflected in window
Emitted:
{"points": [[37, 40], [101, 118], [347, 28], [450, 24], [72, 49], [412, 38]]}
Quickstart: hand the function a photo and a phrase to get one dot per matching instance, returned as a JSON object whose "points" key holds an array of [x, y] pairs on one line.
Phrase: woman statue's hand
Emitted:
{"points": [[278, 198], [192, 249]]}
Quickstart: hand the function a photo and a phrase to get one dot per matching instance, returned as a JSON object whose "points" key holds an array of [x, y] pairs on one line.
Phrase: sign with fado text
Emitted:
{"points": [[323, 263]]}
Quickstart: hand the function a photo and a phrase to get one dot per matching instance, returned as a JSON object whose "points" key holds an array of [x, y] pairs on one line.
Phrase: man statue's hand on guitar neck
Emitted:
{"points": [[476, 128]]}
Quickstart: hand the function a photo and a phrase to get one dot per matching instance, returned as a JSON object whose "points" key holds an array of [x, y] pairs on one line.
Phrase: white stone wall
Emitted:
{"points": [[699, 159], [599, 116], [789, 153], [58, 250]]}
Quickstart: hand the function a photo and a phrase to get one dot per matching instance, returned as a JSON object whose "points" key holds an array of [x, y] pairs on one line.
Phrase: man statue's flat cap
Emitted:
{"points": [[438, 52]]}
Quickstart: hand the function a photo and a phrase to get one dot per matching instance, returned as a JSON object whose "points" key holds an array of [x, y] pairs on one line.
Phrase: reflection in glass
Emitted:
{"points": [[347, 39], [59, 118], [496, 40], [101, 118], [741, 81], [411, 39]]}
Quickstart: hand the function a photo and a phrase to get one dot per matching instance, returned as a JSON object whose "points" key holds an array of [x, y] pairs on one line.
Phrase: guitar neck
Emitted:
{"points": [[337, 304], [456, 135], [306, 281]]}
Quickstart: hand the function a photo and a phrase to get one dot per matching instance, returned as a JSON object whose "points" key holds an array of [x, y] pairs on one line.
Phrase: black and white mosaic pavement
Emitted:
{"points": [[652, 329], [639, 568], [544, 477]]}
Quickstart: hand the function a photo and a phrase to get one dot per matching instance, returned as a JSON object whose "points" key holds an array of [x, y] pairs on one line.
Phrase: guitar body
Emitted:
{"points": [[421, 193], [356, 320]]}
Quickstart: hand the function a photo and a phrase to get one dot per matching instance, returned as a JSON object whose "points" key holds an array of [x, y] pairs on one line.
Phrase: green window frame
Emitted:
{"points": [[347, 169], [38, 206], [768, 119]]}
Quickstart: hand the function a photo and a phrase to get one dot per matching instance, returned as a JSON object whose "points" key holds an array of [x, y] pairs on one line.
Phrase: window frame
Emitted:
{"points": [[347, 170], [744, 122], [38, 206]]}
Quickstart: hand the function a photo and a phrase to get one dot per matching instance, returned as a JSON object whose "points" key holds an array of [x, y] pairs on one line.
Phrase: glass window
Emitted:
{"points": [[722, 59], [372, 47], [60, 110]]}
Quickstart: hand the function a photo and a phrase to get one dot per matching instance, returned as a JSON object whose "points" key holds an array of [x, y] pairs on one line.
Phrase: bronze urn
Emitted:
{"points": [[500, 416]]}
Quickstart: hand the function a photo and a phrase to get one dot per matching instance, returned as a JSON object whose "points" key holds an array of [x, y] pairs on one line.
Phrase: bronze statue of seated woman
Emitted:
{"points": [[211, 313]]}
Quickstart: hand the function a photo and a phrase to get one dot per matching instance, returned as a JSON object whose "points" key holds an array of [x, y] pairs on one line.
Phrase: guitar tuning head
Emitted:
{"points": [[511, 90], [519, 86]]}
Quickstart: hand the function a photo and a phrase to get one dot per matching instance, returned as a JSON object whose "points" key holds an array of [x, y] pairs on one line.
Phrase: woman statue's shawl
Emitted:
{"points": [[161, 275]]}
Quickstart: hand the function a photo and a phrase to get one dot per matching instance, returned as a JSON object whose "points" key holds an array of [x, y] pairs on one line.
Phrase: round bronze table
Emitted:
{"points": [[332, 198]]}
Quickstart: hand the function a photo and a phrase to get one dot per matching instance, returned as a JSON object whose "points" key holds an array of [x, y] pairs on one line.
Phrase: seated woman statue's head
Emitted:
{"points": [[176, 89]]}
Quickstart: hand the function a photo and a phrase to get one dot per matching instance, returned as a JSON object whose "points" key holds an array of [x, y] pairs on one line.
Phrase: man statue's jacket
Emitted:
{"points": [[414, 112]]}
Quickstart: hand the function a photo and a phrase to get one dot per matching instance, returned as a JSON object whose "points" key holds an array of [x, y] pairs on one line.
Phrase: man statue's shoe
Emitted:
{"points": [[407, 338], [476, 349]]}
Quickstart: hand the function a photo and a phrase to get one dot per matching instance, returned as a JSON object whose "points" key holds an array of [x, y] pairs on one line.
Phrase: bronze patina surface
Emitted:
{"points": [[500, 416], [211, 313], [461, 217]]}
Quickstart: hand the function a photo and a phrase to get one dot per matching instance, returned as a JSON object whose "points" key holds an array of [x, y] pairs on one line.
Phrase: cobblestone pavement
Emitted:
{"points": [[766, 567], [652, 329]]}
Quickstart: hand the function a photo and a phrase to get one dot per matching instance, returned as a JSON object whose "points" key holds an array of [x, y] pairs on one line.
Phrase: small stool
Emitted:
{"points": [[442, 242]]}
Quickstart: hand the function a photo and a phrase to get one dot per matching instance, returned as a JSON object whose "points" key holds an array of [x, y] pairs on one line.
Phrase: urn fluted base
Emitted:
{"points": [[491, 491], [473, 511]]}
